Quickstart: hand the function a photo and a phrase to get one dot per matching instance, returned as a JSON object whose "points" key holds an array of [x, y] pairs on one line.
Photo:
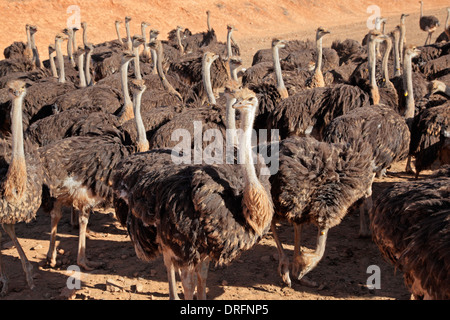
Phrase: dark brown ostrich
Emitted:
{"points": [[410, 225], [427, 23], [445, 35], [329, 178], [21, 182], [77, 170], [219, 211]]}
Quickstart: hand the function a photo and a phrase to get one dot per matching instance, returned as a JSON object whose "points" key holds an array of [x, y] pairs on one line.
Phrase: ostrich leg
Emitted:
{"points": [[170, 276], [202, 274], [55, 215], [82, 261], [306, 261], [187, 275], [3, 277], [26, 265], [283, 265]]}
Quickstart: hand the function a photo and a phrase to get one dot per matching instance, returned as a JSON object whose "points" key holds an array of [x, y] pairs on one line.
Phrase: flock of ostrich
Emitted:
{"points": [[93, 129]]}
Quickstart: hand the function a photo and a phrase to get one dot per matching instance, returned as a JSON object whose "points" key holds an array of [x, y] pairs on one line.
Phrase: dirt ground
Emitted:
{"points": [[342, 273]]}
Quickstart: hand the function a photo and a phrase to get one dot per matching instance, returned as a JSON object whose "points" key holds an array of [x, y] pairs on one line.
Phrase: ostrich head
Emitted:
{"points": [[117, 22], [210, 57], [51, 48], [89, 47], [435, 86], [127, 55], [235, 62], [154, 34], [61, 37], [33, 29], [137, 86], [127, 19], [246, 100], [403, 16], [231, 27], [138, 40], [412, 51], [321, 32], [16, 88], [278, 43]]}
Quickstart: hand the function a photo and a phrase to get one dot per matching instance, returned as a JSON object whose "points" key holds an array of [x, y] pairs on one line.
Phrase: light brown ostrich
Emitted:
{"points": [[428, 24], [21, 182], [411, 227], [227, 208]]}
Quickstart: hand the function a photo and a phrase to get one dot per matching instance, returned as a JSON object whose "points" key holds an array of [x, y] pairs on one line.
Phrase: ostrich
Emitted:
{"points": [[21, 181], [410, 226], [445, 35], [329, 178], [79, 175], [81, 51], [137, 41], [146, 53], [51, 58], [395, 34], [36, 59], [427, 23], [220, 211], [69, 33], [117, 26], [59, 56]]}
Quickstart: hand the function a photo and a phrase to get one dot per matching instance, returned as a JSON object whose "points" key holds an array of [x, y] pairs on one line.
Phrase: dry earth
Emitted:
{"points": [[342, 273]]}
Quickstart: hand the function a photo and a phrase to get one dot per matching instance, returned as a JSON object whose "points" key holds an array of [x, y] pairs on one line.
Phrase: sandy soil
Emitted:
{"points": [[342, 273]]}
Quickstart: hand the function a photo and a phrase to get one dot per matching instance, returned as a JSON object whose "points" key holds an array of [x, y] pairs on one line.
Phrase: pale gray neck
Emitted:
{"points": [[118, 34], [245, 148], [124, 83], [447, 19], [319, 55], [129, 41], [206, 74], [60, 58], [51, 58], [74, 39], [69, 49], [35, 51], [234, 71], [397, 69], [141, 134], [277, 67], [143, 28], [421, 9], [137, 66], [29, 45], [180, 45], [166, 84], [17, 128], [154, 61], [84, 36], [407, 79], [229, 50], [88, 68], [81, 70], [386, 60], [208, 23], [372, 63], [402, 40]]}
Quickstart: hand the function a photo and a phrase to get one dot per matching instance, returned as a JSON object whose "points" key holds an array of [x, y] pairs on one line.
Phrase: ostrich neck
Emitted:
{"points": [[85, 36], [17, 128], [51, 57], [29, 46], [69, 49], [88, 68], [35, 51], [59, 56], [180, 45], [407, 79], [74, 39], [229, 50], [142, 141], [278, 75], [447, 19], [154, 61], [208, 23], [386, 60], [127, 29], [166, 84], [81, 70], [137, 66], [146, 48], [372, 67], [402, 39], [231, 120], [118, 34], [234, 72], [206, 74], [421, 9], [245, 148], [124, 81], [319, 55], [396, 56]]}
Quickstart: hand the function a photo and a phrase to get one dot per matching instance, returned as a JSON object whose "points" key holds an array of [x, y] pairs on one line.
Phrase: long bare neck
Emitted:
{"points": [[231, 120], [278, 75], [421, 9], [81, 70], [319, 55], [74, 39], [51, 58], [35, 51], [129, 41], [88, 68], [144, 35], [206, 75], [397, 69], [29, 45], [372, 69], [85, 36], [180, 45], [154, 61], [387, 81], [166, 84], [127, 109], [229, 51], [257, 206], [15, 183], [142, 142], [447, 20], [118, 34], [136, 62], [402, 39], [208, 22], [409, 93], [69, 49], [60, 58], [234, 72]]}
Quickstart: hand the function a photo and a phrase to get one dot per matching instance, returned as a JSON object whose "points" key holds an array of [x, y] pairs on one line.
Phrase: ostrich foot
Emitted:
{"points": [[89, 265], [283, 270], [304, 263]]}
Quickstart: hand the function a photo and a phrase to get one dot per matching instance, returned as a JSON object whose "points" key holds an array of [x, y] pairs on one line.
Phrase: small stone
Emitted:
{"points": [[138, 288], [61, 251], [37, 247]]}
